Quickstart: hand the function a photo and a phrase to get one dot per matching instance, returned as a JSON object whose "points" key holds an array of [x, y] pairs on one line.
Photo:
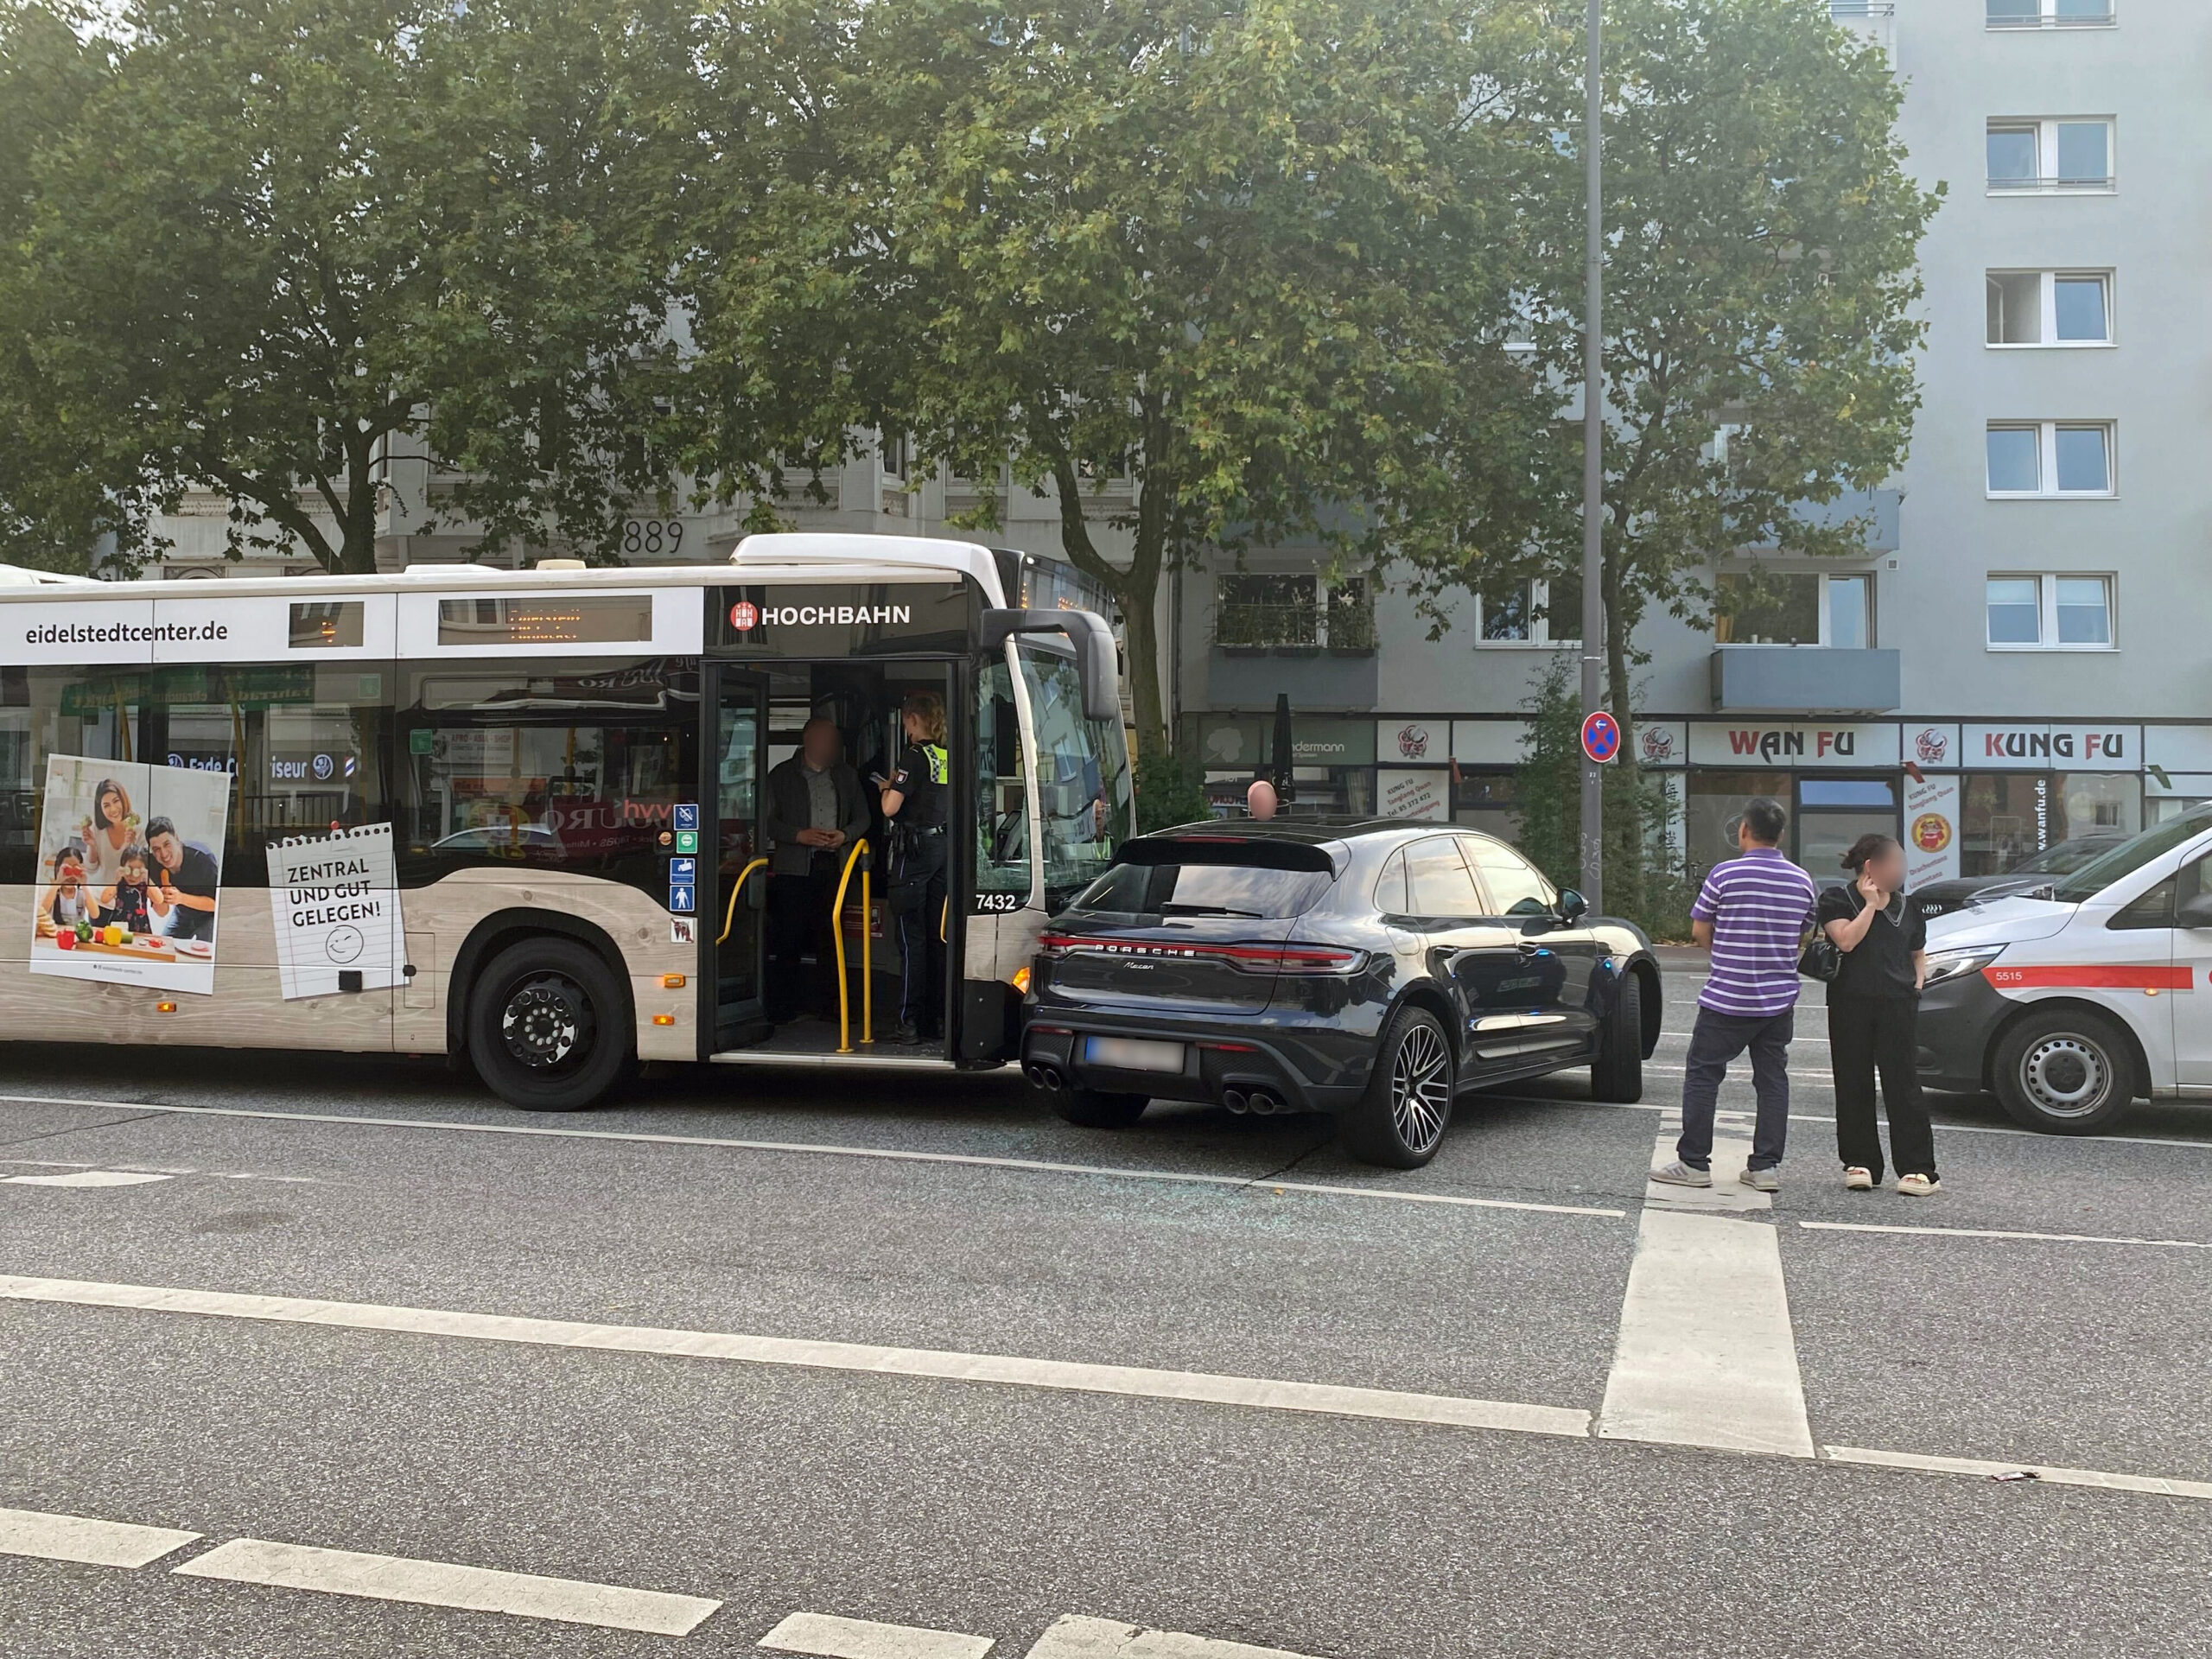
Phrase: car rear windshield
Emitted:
{"points": [[2128, 857], [1184, 876]]}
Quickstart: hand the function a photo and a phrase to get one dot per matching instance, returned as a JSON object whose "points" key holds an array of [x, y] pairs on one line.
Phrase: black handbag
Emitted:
{"points": [[1820, 960]]}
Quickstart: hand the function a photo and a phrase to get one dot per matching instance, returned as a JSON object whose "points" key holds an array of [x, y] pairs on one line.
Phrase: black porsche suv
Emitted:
{"points": [[1371, 969]]}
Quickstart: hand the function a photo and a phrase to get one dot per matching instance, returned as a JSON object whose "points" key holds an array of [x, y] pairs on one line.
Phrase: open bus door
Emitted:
{"points": [[734, 844]]}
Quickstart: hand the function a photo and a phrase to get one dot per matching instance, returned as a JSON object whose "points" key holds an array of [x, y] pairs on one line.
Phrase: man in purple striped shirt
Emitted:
{"points": [[1752, 913]]}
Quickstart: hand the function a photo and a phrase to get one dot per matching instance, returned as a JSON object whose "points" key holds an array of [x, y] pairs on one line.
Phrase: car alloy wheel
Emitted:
{"points": [[1420, 1087], [546, 1021], [2066, 1074]]}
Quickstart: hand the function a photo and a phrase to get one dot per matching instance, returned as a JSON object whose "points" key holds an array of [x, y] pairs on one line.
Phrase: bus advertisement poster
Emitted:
{"points": [[130, 866], [336, 900]]}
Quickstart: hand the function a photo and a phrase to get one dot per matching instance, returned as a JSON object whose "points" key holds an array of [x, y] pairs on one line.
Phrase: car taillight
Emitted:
{"points": [[1251, 958]]}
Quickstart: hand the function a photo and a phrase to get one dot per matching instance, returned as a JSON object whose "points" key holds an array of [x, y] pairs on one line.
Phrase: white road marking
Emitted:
{"points": [[96, 1543], [446, 1584], [1075, 1638], [1261, 1393], [1707, 1355], [86, 1177], [893, 1154], [1727, 1196], [1994, 1232], [857, 1638], [1941, 1127], [2156, 1484]]}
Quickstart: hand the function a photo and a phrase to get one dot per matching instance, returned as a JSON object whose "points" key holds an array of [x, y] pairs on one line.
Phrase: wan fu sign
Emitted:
{"points": [[1791, 746]]}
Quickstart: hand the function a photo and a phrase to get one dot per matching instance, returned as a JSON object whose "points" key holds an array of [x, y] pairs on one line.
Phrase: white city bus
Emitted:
{"points": [[519, 817]]}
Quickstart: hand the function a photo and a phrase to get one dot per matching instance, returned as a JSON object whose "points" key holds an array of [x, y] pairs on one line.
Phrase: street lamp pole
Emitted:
{"points": [[1593, 465]]}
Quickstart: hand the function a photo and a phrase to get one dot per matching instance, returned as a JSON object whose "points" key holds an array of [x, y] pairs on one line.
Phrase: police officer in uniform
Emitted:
{"points": [[915, 800]]}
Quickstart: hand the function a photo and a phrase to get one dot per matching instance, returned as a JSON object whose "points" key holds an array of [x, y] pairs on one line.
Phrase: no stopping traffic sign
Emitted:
{"points": [[1601, 736]]}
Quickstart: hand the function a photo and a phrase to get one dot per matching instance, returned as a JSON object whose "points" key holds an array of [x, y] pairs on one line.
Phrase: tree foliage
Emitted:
{"points": [[248, 244], [1760, 275], [1250, 253]]}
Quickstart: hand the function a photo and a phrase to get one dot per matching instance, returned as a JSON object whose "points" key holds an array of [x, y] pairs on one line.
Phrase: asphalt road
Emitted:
{"points": [[888, 1482]]}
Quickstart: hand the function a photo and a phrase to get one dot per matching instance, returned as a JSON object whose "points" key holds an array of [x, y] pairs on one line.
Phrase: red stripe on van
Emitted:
{"points": [[2088, 977]]}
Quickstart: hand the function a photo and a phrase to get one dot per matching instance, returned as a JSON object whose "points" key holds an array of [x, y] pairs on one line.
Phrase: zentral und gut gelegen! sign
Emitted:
{"points": [[337, 911]]}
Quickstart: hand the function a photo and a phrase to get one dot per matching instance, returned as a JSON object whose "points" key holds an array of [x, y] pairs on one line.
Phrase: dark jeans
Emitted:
{"points": [[1868, 1034], [1716, 1039], [798, 922]]}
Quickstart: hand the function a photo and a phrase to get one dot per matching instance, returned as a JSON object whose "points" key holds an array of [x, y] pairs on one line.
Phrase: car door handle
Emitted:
{"points": [[1530, 947]]}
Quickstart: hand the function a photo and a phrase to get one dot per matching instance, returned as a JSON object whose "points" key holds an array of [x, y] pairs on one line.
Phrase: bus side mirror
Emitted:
{"points": [[1097, 664]]}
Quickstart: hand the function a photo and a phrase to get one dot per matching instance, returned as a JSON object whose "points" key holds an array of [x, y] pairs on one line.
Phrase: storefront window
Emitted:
{"points": [[1485, 801], [2009, 818], [1833, 812], [2099, 804], [1717, 800]]}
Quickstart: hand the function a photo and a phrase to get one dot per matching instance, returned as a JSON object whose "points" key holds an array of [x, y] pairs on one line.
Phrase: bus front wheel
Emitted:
{"points": [[547, 1028]]}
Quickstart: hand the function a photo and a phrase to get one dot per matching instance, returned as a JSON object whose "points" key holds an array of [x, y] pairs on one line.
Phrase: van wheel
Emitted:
{"points": [[549, 1027], [1617, 1076], [1400, 1122], [1095, 1108], [2068, 1072]]}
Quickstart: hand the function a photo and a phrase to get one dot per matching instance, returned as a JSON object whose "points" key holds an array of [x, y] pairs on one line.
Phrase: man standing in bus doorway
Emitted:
{"points": [[914, 801], [815, 812]]}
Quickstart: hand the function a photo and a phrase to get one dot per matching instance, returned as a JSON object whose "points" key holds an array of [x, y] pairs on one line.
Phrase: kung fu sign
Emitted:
{"points": [[880, 618]]}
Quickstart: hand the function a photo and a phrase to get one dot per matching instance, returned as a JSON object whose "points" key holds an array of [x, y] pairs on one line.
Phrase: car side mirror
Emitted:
{"points": [[1572, 906], [2196, 913]]}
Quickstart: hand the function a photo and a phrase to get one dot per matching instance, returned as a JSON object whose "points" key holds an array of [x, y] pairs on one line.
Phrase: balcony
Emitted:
{"points": [[1805, 680], [1299, 629], [1876, 20], [2049, 13], [1878, 507]]}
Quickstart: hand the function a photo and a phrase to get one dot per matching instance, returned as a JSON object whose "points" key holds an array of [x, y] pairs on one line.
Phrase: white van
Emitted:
{"points": [[2071, 1002]]}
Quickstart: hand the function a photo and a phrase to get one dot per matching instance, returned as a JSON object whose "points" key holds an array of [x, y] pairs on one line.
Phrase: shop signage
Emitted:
{"points": [[1932, 746], [1931, 831], [1488, 742], [1662, 742], [1414, 740], [2039, 747], [2178, 748], [1793, 745], [1333, 742], [1415, 794]]}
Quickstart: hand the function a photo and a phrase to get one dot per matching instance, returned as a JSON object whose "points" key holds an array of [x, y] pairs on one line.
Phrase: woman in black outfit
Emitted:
{"points": [[1873, 1006]]}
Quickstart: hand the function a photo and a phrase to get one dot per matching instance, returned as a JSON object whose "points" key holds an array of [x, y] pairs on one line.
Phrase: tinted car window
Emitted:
{"points": [[2128, 857], [1517, 886], [1439, 880], [1258, 879], [1390, 887]]}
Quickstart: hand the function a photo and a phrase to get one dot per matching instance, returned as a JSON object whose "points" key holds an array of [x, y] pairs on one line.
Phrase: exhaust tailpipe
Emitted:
{"points": [[1236, 1100], [1047, 1077], [1264, 1103]]}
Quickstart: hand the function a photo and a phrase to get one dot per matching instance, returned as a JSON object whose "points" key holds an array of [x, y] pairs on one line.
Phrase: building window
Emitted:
{"points": [[1259, 609], [2050, 458], [1794, 607], [1534, 612], [2050, 308], [2050, 154], [2049, 14], [892, 447], [2050, 613]]}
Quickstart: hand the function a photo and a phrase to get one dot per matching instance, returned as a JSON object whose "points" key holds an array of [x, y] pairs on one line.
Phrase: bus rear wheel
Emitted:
{"points": [[547, 1026]]}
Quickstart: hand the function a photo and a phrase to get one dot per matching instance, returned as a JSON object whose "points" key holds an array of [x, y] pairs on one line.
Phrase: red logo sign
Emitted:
{"points": [[744, 616]]}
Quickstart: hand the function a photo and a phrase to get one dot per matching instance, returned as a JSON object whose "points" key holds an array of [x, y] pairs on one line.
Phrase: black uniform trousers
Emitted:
{"points": [[917, 899], [1870, 1034]]}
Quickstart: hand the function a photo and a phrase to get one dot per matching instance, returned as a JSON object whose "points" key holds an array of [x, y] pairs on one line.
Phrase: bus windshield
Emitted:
{"points": [[1082, 776]]}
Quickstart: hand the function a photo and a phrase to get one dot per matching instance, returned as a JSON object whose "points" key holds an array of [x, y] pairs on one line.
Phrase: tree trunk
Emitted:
{"points": [[1142, 635]]}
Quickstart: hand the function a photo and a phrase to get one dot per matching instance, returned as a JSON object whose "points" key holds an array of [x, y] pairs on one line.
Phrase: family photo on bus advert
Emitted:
{"points": [[130, 868]]}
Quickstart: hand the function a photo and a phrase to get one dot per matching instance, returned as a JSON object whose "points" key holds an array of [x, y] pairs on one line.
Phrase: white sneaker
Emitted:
{"points": [[1679, 1173], [1760, 1180]]}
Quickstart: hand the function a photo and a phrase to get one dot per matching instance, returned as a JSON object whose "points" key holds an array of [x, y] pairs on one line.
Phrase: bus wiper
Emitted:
{"points": [[1172, 909]]}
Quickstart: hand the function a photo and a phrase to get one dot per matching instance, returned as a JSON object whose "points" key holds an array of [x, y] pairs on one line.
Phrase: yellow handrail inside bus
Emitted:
{"points": [[729, 916], [867, 957], [944, 921]]}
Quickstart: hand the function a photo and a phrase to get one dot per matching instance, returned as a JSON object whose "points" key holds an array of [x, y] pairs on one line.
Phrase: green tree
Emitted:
{"points": [[251, 244], [1246, 252], [1759, 276]]}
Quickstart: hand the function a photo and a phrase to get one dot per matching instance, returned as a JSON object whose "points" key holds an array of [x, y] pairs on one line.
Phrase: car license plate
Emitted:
{"points": [[1132, 1054]]}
